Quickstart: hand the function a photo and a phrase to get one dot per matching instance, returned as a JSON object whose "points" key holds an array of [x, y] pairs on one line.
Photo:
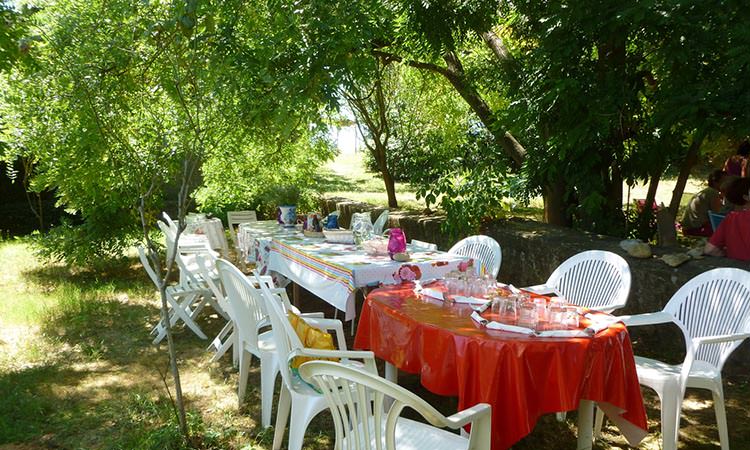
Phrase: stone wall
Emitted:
{"points": [[532, 250]]}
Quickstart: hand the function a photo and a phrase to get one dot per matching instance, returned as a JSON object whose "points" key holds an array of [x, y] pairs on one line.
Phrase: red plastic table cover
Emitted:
{"points": [[522, 377]]}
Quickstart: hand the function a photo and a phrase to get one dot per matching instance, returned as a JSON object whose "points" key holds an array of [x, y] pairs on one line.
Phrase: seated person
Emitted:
{"points": [[695, 221], [732, 238], [737, 164]]}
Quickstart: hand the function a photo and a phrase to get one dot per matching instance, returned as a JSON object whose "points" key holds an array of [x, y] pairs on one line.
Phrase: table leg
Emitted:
{"points": [[295, 294], [391, 372], [585, 424]]}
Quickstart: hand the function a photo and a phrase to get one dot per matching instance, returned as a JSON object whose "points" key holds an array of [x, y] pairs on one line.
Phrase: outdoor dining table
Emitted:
{"points": [[212, 229], [334, 271], [520, 376]]}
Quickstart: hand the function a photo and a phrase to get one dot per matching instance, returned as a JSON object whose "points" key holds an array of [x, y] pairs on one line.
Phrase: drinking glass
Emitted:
{"points": [[571, 318], [556, 311], [541, 309], [527, 315], [508, 309]]}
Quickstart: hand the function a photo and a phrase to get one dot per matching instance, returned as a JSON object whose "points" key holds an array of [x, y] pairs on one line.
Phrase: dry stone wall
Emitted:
{"points": [[532, 250]]}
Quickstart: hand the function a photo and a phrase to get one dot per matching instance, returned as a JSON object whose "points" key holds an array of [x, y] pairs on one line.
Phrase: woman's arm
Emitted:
{"points": [[712, 250]]}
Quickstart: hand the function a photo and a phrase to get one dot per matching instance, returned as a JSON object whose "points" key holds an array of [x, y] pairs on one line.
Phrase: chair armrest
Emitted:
{"points": [[719, 339], [312, 315], [469, 415], [367, 357], [647, 319], [329, 325], [193, 248]]}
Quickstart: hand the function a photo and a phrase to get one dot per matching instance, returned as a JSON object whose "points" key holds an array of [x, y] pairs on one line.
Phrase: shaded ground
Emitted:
{"points": [[78, 371]]}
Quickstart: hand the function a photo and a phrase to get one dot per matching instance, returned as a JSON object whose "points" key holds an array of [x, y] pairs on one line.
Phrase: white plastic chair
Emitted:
{"points": [[185, 302], [359, 401], [422, 245], [298, 397], [482, 249], [227, 338], [234, 219], [713, 312], [594, 279], [249, 315], [379, 225]]}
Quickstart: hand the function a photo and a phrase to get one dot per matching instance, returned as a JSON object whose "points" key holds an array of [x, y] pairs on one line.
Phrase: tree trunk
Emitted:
{"points": [[644, 220], [555, 204], [687, 166]]}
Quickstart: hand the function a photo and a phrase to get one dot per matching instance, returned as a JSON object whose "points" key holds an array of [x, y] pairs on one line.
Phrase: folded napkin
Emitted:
{"points": [[564, 333], [469, 300], [599, 322], [434, 293], [492, 325], [542, 289]]}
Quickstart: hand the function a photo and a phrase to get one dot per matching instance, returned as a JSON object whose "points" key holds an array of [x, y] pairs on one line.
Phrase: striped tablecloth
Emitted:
{"points": [[332, 271]]}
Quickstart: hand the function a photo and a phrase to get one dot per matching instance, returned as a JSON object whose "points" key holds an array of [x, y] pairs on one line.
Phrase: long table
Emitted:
{"points": [[334, 271], [521, 376]]}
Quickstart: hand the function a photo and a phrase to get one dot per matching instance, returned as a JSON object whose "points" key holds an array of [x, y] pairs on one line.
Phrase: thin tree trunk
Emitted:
{"points": [[687, 166]]}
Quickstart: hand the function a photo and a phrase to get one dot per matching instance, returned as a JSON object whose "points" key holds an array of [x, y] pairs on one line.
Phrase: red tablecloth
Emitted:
{"points": [[521, 377]]}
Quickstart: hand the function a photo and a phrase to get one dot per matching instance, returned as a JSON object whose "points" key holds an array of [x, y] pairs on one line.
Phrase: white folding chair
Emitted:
{"points": [[594, 279], [359, 403], [483, 249], [185, 302], [424, 246], [379, 225], [234, 219], [713, 312], [297, 397]]}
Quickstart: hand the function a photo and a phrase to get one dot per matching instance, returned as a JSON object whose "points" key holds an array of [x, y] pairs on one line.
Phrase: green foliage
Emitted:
{"points": [[155, 93]]}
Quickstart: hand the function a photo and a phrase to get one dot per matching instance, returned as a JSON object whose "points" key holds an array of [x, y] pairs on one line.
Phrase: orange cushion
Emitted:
{"points": [[310, 337]]}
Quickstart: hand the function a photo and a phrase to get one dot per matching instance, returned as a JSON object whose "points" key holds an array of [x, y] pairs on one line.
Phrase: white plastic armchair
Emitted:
{"points": [[482, 249], [359, 401], [713, 312], [248, 317], [594, 279], [297, 397], [379, 225]]}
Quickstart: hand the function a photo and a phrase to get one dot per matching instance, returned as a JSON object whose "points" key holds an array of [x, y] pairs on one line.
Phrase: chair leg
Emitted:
{"points": [[268, 370], [721, 417], [223, 347], [670, 419], [282, 416], [598, 422], [245, 359], [302, 414]]}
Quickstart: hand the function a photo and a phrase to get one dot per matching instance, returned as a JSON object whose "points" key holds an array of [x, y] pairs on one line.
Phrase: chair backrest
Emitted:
{"points": [[246, 307], [357, 400], [483, 249], [594, 279], [171, 223], [716, 302], [147, 266], [715, 219], [422, 245], [235, 218], [284, 336], [379, 224], [206, 268]]}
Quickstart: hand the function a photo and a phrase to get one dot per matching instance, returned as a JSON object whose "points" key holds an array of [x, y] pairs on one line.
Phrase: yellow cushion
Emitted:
{"points": [[310, 337]]}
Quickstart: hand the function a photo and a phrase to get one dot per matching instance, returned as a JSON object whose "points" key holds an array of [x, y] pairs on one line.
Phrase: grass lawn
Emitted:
{"points": [[78, 371], [347, 177]]}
